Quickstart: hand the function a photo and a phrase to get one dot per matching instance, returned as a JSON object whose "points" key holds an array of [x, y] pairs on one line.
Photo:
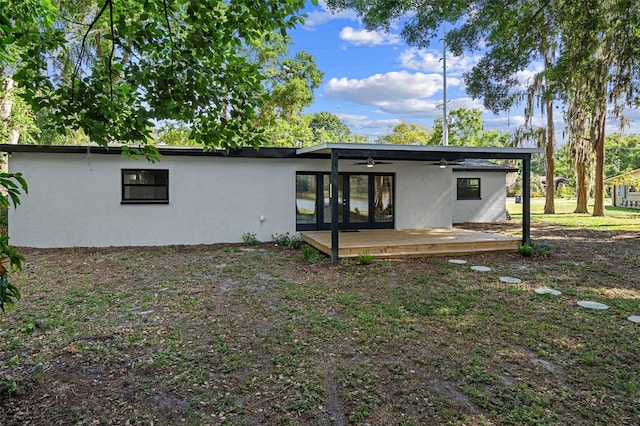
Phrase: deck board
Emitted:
{"points": [[394, 243]]}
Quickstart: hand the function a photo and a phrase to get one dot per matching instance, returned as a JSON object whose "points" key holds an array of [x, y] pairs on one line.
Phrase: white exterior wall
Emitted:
{"points": [[74, 199], [423, 196], [492, 207]]}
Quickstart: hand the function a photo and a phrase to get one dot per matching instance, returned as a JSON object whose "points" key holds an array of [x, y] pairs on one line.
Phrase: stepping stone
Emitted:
{"points": [[457, 261], [547, 291], [592, 305], [634, 319], [510, 280], [481, 268]]}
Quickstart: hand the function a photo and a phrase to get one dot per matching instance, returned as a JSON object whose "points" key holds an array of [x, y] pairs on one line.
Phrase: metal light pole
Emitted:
{"points": [[445, 124]]}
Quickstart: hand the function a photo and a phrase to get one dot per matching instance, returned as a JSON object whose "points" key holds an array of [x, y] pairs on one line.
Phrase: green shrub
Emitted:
{"points": [[565, 191], [365, 258], [250, 238], [10, 387], [535, 249], [525, 250], [292, 242], [310, 254], [541, 249]]}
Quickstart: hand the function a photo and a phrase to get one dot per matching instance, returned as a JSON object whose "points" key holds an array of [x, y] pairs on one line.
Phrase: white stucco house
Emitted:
{"points": [[95, 197]]}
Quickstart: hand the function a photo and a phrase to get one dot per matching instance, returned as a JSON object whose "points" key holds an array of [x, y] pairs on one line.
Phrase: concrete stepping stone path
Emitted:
{"points": [[592, 305], [550, 291], [510, 280], [589, 304]]}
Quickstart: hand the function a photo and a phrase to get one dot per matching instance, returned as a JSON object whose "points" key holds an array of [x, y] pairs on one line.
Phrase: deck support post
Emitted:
{"points": [[526, 201], [334, 205]]}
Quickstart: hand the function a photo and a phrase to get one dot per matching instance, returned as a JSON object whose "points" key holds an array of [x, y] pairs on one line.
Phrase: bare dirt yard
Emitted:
{"points": [[249, 335]]}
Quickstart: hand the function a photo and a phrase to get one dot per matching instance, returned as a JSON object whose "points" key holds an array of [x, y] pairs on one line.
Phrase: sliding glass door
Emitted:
{"points": [[365, 201]]}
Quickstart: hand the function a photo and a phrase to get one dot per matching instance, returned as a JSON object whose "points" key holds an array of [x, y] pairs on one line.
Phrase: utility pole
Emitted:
{"points": [[445, 124]]}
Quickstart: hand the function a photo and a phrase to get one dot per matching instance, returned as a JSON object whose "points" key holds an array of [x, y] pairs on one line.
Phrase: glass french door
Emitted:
{"points": [[365, 201]]}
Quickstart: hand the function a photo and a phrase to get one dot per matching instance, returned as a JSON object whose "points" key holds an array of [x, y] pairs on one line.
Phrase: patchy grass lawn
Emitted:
{"points": [[248, 335], [617, 218]]}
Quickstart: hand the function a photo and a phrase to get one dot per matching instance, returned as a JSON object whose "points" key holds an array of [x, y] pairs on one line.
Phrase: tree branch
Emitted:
{"points": [[76, 69], [113, 49], [166, 17]]}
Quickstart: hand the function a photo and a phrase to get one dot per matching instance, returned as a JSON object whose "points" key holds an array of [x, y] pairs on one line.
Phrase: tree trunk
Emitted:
{"points": [[6, 105], [598, 202], [549, 204], [582, 188]]}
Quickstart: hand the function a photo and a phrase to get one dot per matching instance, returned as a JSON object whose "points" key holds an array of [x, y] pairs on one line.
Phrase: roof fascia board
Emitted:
{"points": [[416, 152], [244, 152]]}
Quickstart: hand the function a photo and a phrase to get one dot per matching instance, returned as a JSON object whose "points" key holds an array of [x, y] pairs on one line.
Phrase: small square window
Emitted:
{"points": [[468, 188], [145, 186]]}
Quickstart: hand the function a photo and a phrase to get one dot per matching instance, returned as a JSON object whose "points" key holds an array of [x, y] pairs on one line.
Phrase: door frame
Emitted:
{"points": [[346, 225]]}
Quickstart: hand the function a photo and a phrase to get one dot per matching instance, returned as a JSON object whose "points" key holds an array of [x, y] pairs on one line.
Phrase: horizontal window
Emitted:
{"points": [[468, 188], [145, 186]]}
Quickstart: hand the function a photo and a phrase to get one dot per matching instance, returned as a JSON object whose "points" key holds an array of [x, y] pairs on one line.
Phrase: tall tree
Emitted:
{"points": [[328, 127], [597, 44], [290, 132], [128, 63], [466, 128], [407, 134], [623, 153], [540, 94], [289, 80]]}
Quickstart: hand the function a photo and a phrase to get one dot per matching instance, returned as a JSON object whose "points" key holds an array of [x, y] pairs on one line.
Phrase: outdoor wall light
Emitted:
{"points": [[443, 164], [370, 162]]}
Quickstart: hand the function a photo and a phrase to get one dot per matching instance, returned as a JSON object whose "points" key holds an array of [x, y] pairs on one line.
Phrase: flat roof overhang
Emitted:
{"points": [[415, 152]]}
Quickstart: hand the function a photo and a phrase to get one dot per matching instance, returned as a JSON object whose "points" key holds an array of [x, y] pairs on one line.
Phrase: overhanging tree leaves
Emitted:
{"points": [[114, 67]]}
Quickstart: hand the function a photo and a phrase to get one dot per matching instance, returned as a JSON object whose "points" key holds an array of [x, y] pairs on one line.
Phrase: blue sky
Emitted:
{"points": [[373, 80]]}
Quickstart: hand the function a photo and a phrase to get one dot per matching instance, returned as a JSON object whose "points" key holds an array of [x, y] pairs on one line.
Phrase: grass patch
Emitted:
{"points": [[218, 335], [616, 219]]}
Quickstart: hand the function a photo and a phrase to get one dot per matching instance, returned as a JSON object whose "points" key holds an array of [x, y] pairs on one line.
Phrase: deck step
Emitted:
{"points": [[413, 243], [399, 252]]}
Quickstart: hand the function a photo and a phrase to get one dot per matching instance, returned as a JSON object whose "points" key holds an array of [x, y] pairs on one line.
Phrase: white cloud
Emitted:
{"points": [[357, 122], [368, 38], [399, 93], [430, 60], [382, 88], [467, 103], [323, 15], [413, 107]]}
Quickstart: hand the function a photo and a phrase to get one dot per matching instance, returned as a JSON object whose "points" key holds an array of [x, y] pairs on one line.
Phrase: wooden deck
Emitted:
{"points": [[392, 243]]}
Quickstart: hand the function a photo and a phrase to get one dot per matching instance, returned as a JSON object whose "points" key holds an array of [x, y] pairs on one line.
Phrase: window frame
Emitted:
{"points": [[469, 195], [157, 172]]}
